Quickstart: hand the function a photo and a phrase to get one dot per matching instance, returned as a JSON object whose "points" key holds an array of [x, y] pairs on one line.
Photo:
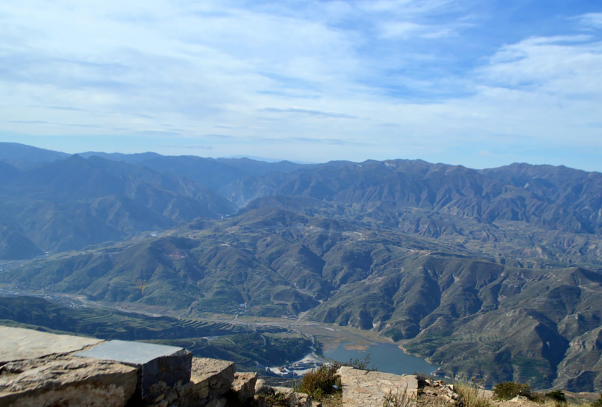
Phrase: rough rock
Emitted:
{"points": [[218, 374], [65, 380], [243, 386], [437, 393], [364, 388], [261, 386], [210, 380], [21, 344], [293, 398], [160, 368]]}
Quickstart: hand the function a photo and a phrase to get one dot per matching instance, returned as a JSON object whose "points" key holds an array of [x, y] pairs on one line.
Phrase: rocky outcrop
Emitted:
{"points": [[581, 367], [66, 381], [365, 388], [41, 369], [159, 368]]}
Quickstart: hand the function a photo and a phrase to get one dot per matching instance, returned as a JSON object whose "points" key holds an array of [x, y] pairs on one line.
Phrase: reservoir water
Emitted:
{"points": [[386, 357]]}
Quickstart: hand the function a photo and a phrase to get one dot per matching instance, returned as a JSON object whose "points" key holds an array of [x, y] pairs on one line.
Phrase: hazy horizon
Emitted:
{"points": [[274, 160]]}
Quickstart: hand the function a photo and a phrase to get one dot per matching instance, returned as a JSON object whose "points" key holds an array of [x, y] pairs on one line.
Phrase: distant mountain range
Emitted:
{"points": [[495, 273]]}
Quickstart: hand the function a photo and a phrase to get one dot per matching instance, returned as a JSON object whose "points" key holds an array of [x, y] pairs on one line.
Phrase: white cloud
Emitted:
{"points": [[570, 66], [591, 20]]}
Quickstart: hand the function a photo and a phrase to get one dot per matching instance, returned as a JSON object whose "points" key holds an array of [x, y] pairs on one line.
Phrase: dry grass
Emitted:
{"points": [[399, 398], [334, 400], [471, 394]]}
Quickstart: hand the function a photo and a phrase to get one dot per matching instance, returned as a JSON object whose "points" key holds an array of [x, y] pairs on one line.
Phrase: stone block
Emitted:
{"points": [[243, 386], [217, 375], [160, 368], [66, 381], [210, 380], [22, 344], [261, 387]]}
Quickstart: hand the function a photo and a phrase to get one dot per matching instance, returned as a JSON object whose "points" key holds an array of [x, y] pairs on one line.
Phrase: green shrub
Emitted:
{"points": [[598, 403], [556, 395], [321, 382], [509, 390]]}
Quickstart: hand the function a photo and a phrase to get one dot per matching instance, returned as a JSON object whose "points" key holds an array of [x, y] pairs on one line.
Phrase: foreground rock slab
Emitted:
{"points": [[362, 388], [66, 381], [21, 344], [160, 367]]}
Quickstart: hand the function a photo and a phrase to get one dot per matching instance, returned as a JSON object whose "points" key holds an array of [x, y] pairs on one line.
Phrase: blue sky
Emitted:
{"points": [[478, 83]]}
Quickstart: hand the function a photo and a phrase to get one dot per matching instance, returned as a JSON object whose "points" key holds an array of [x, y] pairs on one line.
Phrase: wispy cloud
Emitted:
{"points": [[567, 65], [364, 78], [307, 112], [591, 20]]}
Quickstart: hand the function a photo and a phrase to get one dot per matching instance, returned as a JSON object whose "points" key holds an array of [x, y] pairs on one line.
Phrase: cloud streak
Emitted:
{"points": [[307, 112]]}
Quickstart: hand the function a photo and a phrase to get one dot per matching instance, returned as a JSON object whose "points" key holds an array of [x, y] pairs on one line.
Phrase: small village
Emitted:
{"points": [[299, 368]]}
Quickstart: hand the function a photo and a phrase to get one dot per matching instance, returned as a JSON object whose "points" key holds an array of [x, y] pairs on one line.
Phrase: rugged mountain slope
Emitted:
{"points": [[486, 196], [15, 246], [494, 273], [71, 203], [470, 315]]}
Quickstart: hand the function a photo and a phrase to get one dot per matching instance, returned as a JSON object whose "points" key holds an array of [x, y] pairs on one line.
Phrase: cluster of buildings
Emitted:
{"points": [[297, 369]]}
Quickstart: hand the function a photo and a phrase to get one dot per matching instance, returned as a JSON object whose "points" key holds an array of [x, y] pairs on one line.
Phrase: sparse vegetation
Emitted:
{"points": [[276, 399], [398, 398], [598, 403], [362, 364], [509, 390], [321, 382]]}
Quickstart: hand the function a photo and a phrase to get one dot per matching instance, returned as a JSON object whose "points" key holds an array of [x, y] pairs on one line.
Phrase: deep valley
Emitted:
{"points": [[494, 273]]}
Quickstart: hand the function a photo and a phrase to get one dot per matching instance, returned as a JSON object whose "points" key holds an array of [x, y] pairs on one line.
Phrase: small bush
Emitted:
{"points": [[557, 395], [538, 397], [362, 364], [509, 390], [321, 382], [598, 403]]}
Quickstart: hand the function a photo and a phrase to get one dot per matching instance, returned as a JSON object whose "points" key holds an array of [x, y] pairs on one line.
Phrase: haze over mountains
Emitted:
{"points": [[494, 272]]}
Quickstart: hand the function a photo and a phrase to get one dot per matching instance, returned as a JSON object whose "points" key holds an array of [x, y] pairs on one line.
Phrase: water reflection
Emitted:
{"points": [[386, 357]]}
